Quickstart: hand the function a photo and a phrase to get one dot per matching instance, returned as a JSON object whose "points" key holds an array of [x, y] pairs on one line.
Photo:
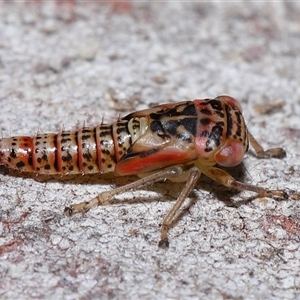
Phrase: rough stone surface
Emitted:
{"points": [[63, 63]]}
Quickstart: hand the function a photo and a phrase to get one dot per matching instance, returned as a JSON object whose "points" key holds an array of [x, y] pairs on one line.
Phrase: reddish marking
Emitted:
{"points": [[121, 7], [24, 149], [201, 140], [290, 224], [19, 220], [10, 247], [231, 101], [155, 161], [231, 154]]}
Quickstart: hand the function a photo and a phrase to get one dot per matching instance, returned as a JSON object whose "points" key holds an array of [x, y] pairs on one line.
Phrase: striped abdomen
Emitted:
{"points": [[87, 150]]}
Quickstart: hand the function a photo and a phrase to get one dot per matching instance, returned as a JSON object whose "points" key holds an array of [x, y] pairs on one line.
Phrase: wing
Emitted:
{"points": [[155, 150]]}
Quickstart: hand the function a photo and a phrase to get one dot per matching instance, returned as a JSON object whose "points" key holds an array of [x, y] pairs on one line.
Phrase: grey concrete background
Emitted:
{"points": [[64, 63]]}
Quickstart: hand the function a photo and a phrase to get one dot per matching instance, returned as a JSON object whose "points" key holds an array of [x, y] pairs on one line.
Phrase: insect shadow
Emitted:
{"points": [[164, 191]]}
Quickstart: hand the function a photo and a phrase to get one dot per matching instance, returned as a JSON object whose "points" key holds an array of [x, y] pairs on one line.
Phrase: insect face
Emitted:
{"points": [[221, 132]]}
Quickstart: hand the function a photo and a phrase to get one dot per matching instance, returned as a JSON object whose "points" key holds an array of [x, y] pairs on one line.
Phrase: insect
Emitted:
{"points": [[175, 141]]}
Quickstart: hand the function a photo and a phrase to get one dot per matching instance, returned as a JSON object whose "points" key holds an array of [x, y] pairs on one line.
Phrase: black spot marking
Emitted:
{"points": [[206, 112], [90, 168], [216, 134], [13, 153], [208, 149], [71, 168], [215, 104], [20, 164], [205, 121], [30, 161], [171, 126], [121, 128], [104, 151], [88, 156], [217, 107], [104, 133], [239, 130], [120, 140], [113, 158], [64, 141], [155, 116], [65, 133], [229, 121], [67, 158], [238, 117], [189, 124], [220, 123], [189, 110], [85, 137], [156, 126], [47, 167]]}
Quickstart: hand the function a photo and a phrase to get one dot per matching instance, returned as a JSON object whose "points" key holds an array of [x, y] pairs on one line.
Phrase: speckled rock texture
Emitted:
{"points": [[66, 63]]}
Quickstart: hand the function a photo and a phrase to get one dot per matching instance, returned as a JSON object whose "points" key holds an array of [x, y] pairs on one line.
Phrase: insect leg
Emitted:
{"points": [[193, 177], [104, 197], [261, 153], [227, 180]]}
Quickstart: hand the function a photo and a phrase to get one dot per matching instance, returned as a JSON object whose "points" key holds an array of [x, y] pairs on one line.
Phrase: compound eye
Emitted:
{"points": [[231, 102], [231, 154]]}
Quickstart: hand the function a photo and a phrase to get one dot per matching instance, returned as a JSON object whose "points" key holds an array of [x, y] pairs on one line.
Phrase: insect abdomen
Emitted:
{"points": [[87, 150]]}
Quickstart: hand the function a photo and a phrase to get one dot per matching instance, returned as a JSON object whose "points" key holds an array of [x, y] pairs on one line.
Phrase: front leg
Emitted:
{"points": [[261, 153], [224, 178]]}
